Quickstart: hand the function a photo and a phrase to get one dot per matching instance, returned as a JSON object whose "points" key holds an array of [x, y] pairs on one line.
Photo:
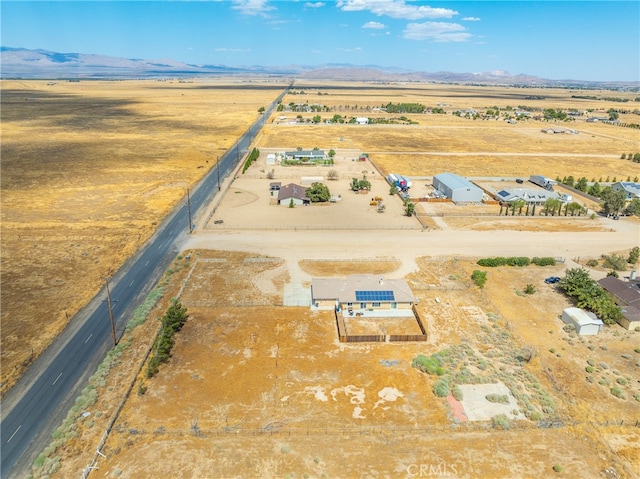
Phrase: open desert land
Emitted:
{"points": [[257, 388], [88, 170]]}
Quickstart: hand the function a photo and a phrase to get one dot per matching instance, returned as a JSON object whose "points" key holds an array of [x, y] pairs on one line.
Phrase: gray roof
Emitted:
{"points": [[526, 194], [455, 182], [292, 191], [305, 153], [344, 290], [632, 189], [628, 292]]}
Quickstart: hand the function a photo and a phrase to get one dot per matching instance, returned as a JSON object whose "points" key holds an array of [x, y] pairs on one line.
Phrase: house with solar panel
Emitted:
{"points": [[363, 295]]}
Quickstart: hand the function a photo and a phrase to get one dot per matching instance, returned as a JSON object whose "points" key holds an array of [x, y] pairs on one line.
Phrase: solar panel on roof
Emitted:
{"points": [[375, 296]]}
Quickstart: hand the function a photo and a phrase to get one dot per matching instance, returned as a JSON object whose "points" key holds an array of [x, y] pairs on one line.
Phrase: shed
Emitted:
{"points": [[271, 159], [457, 188], [586, 324]]}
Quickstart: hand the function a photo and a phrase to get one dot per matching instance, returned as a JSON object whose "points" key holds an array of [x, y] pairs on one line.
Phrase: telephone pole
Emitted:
{"points": [[113, 326], [189, 210]]}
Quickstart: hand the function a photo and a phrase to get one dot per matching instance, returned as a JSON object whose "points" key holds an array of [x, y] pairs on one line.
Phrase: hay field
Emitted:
{"points": [[88, 169], [467, 147]]}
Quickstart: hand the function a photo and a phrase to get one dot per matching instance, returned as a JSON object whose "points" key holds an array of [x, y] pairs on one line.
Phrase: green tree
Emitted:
{"points": [[318, 193], [317, 119], [595, 190], [612, 201], [634, 255], [409, 207], [582, 184], [633, 208], [332, 153], [613, 114], [261, 109], [393, 190]]}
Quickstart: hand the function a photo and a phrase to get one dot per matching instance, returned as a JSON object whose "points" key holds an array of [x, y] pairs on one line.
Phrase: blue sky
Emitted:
{"points": [[584, 40]]}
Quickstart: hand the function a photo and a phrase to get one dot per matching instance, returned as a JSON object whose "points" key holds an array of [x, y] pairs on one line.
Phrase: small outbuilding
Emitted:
{"points": [[586, 324], [457, 188]]}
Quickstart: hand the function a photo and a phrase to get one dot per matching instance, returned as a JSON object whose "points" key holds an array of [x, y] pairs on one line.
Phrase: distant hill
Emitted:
{"points": [[24, 63]]}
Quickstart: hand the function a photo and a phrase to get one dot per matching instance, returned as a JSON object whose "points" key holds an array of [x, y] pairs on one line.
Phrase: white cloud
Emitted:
{"points": [[374, 25], [471, 19], [314, 5], [395, 9], [437, 31], [349, 50], [252, 7], [232, 50]]}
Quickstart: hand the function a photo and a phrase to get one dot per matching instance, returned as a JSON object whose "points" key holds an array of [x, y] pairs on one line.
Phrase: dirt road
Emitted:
{"points": [[407, 245]]}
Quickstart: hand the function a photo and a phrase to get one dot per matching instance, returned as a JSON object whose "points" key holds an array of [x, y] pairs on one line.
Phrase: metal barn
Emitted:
{"points": [[457, 188]]}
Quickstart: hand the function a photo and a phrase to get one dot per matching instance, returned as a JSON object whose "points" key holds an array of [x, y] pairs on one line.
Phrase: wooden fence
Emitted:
{"points": [[344, 337]]}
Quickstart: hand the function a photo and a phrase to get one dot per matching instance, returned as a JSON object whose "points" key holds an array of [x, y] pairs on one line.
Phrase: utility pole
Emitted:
{"points": [[189, 210], [113, 326], [218, 169]]}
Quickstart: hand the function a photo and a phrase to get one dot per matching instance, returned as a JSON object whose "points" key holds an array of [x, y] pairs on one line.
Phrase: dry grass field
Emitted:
{"points": [[269, 391], [88, 170]]}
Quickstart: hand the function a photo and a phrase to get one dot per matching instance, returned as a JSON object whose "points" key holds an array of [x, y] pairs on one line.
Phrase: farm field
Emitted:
{"points": [[88, 170]]}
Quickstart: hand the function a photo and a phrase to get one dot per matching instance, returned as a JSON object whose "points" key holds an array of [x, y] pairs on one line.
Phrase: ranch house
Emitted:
{"points": [[293, 193], [360, 293]]}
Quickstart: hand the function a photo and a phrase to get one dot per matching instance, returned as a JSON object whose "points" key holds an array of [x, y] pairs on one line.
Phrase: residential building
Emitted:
{"points": [[632, 190], [360, 293], [626, 294], [293, 193]]}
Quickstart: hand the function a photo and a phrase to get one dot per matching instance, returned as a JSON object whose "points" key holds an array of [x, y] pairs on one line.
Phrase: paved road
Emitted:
{"points": [[35, 406]]}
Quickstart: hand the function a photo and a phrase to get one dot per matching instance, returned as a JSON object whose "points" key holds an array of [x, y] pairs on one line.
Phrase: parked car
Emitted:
{"points": [[552, 280], [519, 181]]}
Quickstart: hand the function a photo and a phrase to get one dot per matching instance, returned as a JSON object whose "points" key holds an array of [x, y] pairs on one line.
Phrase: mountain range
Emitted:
{"points": [[25, 63]]}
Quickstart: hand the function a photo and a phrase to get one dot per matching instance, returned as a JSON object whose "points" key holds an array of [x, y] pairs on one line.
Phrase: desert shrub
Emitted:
{"points": [[621, 381], [497, 398], [617, 392], [543, 261], [557, 468], [529, 289], [501, 421], [589, 369], [479, 278], [441, 388], [637, 350], [502, 261], [634, 255], [285, 449], [427, 364], [614, 261], [457, 392], [592, 263]]}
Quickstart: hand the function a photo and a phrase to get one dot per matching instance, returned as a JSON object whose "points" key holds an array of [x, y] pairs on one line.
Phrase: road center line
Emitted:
{"points": [[54, 382], [131, 282], [85, 341], [146, 263], [14, 433]]}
